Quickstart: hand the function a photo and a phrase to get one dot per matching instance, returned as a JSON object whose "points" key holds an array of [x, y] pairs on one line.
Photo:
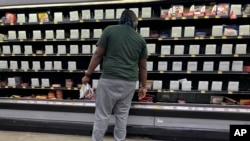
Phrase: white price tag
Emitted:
{"points": [[151, 48], [194, 49], [74, 34], [224, 66], [146, 12], [97, 33], [109, 13], [177, 66], [74, 49], [176, 32], [157, 85], [203, 86], [12, 35], [49, 49], [93, 49], [98, 14], [192, 66], [145, 31], [208, 66], [149, 66], [241, 49], [6, 49], [174, 85], [32, 17], [37, 34], [16, 49], [13, 65], [237, 66], [3, 65], [57, 65], [22, 35], [189, 31], [71, 65], [28, 49], [217, 30], [162, 66], [35, 82], [58, 17], [210, 49], [86, 49], [227, 49], [178, 49], [36, 65], [25, 65], [60, 34], [11, 82], [45, 82], [119, 12], [48, 65], [165, 49], [233, 86], [85, 33], [186, 86], [49, 34], [86, 14], [21, 18], [61, 49], [74, 16], [216, 86]]}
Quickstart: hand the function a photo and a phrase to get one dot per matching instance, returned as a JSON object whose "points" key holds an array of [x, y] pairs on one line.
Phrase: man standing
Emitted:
{"points": [[122, 50]]}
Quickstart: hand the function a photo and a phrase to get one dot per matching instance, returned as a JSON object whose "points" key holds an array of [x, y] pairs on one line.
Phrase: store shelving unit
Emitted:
{"points": [[163, 117]]}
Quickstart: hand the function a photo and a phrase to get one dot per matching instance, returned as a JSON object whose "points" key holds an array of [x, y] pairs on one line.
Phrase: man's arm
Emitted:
{"points": [[143, 72], [95, 60]]}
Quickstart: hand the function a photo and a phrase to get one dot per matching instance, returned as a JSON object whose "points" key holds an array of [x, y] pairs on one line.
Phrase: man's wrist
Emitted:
{"points": [[87, 74]]}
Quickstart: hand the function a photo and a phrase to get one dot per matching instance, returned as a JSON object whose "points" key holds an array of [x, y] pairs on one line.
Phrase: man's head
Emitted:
{"points": [[129, 17]]}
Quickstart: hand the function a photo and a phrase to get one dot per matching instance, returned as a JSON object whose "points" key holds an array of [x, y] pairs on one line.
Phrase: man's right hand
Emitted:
{"points": [[85, 80], [142, 93]]}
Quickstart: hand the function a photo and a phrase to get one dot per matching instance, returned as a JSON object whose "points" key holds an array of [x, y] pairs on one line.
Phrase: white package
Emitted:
{"points": [[6, 49], [48, 65], [149, 66], [32, 17], [233, 86], [61, 49], [28, 49], [45, 82], [21, 18], [178, 49], [224, 66], [189, 31], [57, 65], [49, 49], [145, 31], [86, 49], [119, 12], [157, 85], [25, 65], [203, 86], [3, 64], [237, 66], [210, 49], [227, 49], [176, 32], [97, 33], [49, 34], [162, 66], [192, 66], [22, 35], [16, 49], [58, 17], [93, 48], [35, 82], [95, 83], [74, 34], [98, 14], [73, 15], [216, 86], [60, 34], [241, 49], [208, 66], [186, 86], [13, 65], [244, 30], [174, 85], [86, 14], [146, 12], [236, 8], [85, 33], [37, 34], [217, 30], [135, 10], [165, 49], [74, 49], [11, 82], [151, 48], [109, 13], [71, 65], [194, 49], [36, 65], [177, 66], [12, 35]]}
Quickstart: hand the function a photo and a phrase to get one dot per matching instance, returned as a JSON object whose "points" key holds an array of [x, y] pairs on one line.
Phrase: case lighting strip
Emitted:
{"points": [[76, 4]]}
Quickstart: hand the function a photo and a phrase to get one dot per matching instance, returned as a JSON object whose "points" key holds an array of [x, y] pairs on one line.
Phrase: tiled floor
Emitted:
{"points": [[27, 136]]}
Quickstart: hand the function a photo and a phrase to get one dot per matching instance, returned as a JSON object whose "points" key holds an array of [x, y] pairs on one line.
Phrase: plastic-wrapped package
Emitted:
{"points": [[86, 92]]}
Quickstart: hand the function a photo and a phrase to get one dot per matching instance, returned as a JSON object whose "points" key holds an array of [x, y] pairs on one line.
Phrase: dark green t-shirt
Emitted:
{"points": [[124, 47]]}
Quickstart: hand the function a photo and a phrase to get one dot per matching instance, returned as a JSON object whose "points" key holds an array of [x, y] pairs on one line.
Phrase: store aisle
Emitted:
{"points": [[27, 136]]}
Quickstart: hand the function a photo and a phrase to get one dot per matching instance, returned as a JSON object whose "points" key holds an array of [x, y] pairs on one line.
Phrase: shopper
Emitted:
{"points": [[122, 50]]}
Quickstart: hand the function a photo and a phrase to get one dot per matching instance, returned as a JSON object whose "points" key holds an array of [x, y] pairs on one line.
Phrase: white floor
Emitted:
{"points": [[27, 136]]}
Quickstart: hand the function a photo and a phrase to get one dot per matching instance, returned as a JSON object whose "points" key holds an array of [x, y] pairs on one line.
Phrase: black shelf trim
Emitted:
{"points": [[40, 88]]}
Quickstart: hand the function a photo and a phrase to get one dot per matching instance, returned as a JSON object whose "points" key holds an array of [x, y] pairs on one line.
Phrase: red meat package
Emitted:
{"points": [[10, 18]]}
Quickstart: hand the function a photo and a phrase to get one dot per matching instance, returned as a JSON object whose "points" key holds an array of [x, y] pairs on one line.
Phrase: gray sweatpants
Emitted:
{"points": [[116, 95]]}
